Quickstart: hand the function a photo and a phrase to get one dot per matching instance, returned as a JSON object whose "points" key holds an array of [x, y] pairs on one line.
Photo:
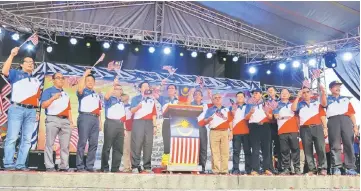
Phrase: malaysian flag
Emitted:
{"points": [[170, 69], [306, 83], [34, 39], [72, 80], [74, 137], [220, 114], [316, 73], [184, 141], [184, 150]]}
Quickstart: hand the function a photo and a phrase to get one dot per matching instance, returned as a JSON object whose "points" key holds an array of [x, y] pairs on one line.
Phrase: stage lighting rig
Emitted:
{"points": [[330, 59]]}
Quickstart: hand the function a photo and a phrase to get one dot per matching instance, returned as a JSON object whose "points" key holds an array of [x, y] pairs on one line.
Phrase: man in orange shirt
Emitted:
{"points": [[240, 134], [220, 122]]}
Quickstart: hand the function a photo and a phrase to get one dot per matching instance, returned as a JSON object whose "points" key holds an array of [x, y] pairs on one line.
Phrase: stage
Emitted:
{"points": [[124, 181]]}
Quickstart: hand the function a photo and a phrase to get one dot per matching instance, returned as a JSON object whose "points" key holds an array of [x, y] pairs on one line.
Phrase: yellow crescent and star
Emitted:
{"points": [[184, 128]]}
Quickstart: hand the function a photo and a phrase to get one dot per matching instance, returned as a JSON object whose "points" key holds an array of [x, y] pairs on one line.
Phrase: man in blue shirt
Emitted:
{"points": [[23, 113], [113, 128], [144, 127], [59, 122], [89, 122], [164, 102]]}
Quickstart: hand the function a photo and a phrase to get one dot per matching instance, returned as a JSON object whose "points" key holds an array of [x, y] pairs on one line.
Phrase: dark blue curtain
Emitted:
{"points": [[349, 73]]}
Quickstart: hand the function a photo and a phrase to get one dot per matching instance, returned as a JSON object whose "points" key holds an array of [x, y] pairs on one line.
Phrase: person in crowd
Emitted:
{"points": [[115, 117], [275, 146], [219, 119], [341, 127], [171, 98], [259, 133], [197, 97], [59, 122], [144, 126], [240, 134], [288, 134], [23, 112], [89, 122], [127, 134], [311, 129]]}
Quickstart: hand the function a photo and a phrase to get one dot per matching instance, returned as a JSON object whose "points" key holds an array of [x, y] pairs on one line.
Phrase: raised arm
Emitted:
{"points": [[295, 102], [81, 84], [6, 68], [190, 96], [323, 96]]}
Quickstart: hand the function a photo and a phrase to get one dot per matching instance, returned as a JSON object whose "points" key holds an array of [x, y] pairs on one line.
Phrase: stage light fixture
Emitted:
{"points": [[296, 64], [209, 55], [49, 49], [136, 49], [282, 66], [194, 54], [330, 59], [166, 50], [268, 72], [121, 46], [181, 54], [347, 56], [88, 45], [30, 47], [312, 62], [15, 36], [224, 59], [235, 59], [151, 49], [106, 45], [73, 41], [252, 70]]}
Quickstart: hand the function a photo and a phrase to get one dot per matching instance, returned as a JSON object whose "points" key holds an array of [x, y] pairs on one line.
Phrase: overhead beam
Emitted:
{"points": [[104, 32], [41, 7], [345, 44], [159, 18]]}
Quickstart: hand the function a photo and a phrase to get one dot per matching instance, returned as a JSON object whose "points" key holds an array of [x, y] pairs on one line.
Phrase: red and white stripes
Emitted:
{"points": [[184, 150]]}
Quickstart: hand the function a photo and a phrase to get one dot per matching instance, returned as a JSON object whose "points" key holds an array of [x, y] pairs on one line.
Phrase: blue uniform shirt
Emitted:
{"points": [[195, 103], [48, 93], [110, 102], [279, 106], [211, 111], [165, 99], [87, 92]]}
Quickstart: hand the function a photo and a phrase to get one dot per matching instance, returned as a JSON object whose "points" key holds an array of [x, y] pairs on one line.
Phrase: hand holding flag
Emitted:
{"points": [[101, 58], [170, 70], [306, 83]]}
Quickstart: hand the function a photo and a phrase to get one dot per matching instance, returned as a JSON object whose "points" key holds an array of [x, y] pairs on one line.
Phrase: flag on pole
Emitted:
{"points": [[200, 81], [170, 69], [316, 73], [34, 39], [306, 83]]}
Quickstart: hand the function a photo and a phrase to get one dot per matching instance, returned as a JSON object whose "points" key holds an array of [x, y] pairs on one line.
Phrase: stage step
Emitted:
{"points": [[119, 181]]}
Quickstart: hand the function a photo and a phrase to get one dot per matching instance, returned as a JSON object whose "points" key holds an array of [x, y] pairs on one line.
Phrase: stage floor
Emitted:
{"points": [[123, 181]]}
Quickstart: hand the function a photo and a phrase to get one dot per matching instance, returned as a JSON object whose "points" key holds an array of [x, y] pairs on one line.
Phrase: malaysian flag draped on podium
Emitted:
{"points": [[184, 141]]}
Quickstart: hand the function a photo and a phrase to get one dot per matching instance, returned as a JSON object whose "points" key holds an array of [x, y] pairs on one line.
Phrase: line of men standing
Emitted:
{"points": [[245, 124]]}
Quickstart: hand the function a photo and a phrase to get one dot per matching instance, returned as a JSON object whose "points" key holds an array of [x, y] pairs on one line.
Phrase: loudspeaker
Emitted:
{"points": [[36, 160], [72, 160]]}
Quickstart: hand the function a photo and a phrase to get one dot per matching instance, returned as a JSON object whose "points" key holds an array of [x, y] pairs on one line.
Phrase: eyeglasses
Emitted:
{"points": [[59, 78]]}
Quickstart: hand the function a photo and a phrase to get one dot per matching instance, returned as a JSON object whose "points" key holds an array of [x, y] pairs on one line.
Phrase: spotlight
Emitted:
{"points": [[252, 70], [15, 36], [330, 59], [106, 45], [282, 66], [235, 59], [312, 62], [194, 54], [347, 56], [136, 49], [181, 54], [30, 47], [1, 30], [49, 49], [209, 55], [121, 46], [151, 49], [224, 59], [88, 45], [268, 72], [296, 64], [166, 50], [73, 41]]}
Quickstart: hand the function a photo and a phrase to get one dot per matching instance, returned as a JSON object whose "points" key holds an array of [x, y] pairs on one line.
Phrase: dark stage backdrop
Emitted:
{"points": [[79, 54]]}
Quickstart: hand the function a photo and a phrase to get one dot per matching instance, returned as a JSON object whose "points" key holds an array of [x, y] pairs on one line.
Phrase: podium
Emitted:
{"points": [[184, 139]]}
